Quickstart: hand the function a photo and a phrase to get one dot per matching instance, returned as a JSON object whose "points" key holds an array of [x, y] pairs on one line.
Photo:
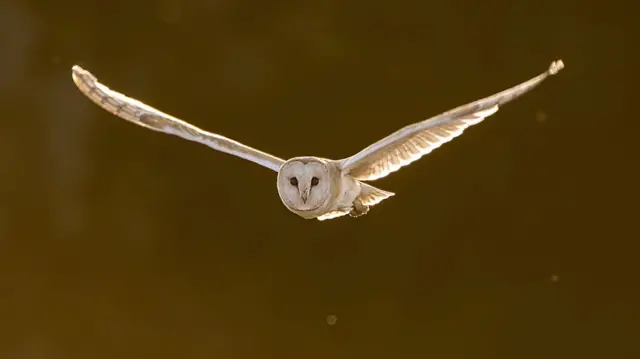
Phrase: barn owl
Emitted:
{"points": [[315, 187]]}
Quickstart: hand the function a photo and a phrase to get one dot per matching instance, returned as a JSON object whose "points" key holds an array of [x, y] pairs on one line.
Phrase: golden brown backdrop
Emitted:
{"points": [[516, 240]]}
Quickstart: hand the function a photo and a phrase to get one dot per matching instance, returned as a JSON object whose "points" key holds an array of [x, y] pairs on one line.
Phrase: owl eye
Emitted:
{"points": [[315, 181], [293, 181]]}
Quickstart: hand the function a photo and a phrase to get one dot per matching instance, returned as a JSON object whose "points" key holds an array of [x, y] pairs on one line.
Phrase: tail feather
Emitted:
{"points": [[370, 196]]}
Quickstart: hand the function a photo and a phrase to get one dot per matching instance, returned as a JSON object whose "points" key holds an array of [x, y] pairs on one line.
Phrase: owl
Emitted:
{"points": [[316, 187]]}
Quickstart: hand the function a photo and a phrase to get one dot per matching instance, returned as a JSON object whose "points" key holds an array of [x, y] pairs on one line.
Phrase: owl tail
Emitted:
{"points": [[370, 196]]}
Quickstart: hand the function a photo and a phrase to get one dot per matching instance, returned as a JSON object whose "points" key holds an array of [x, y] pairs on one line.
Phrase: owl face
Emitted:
{"points": [[304, 184]]}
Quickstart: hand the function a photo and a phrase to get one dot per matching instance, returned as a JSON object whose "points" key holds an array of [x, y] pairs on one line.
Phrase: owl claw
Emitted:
{"points": [[358, 209]]}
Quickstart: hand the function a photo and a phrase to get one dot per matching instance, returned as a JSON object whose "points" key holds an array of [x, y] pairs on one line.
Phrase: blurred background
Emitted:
{"points": [[516, 240]]}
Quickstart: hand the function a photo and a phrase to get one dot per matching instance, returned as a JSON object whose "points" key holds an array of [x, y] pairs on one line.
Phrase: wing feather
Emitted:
{"points": [[414, 141], [332, 215], [146, 116]]}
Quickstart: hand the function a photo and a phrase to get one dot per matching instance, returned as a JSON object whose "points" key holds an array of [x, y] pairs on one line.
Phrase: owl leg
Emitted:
{"points": [[358, 209]]}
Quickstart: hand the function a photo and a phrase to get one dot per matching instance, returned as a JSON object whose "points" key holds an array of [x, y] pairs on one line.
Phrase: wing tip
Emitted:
{"points": [[555, 67], [80, 76], [77, 71]]}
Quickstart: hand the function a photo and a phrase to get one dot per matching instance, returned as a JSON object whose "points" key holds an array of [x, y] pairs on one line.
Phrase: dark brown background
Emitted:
{"points": [[516, 240]]}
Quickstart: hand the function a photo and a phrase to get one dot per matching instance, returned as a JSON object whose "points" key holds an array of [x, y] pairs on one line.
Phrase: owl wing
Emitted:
{"points": [[143, 115], [414, 141]]}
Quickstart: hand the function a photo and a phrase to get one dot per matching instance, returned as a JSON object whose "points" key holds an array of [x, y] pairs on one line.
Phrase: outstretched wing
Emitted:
{"points": [[146, 116], [414, 141]]}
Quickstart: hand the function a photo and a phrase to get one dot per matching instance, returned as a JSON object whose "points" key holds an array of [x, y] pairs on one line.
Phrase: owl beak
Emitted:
{"points": [[305, 194]]}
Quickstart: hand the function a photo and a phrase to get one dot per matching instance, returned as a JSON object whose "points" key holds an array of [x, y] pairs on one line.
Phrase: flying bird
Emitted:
{"points": [[316, 187]]}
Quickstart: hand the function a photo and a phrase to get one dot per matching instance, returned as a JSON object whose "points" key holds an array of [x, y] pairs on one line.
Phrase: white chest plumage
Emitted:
{"points": [[349, 190]]}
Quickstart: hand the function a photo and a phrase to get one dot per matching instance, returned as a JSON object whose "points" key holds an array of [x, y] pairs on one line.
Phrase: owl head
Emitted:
{"points": [[305, 185]]}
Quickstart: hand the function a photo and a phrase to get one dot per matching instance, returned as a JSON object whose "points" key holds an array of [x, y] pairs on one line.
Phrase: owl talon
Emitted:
{"points": [[358, 209]]}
